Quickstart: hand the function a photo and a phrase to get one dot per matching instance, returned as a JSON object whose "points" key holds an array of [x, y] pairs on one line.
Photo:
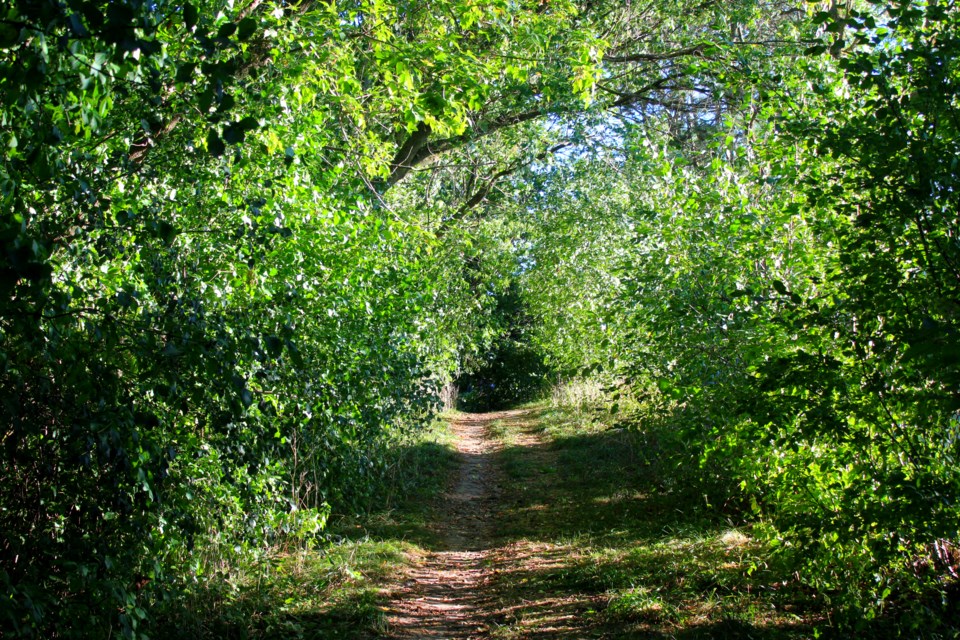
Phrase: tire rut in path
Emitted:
{"points": [[444, 596]]}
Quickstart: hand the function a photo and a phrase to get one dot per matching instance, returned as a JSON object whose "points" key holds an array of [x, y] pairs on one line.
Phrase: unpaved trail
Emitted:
{"points": [[446, 595], [553, 530]]}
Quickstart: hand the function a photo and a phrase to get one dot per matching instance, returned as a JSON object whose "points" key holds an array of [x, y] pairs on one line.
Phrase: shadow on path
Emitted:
{"points": [[444, 597], [580, 535]]}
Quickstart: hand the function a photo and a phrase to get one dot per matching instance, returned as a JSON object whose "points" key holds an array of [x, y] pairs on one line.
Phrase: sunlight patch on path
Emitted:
{"points": [[443, 596]]}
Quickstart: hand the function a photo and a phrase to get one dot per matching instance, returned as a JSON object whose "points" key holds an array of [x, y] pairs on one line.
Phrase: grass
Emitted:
{"points": [[594, 538], [340, 589], [596, 541], [599, 532]]}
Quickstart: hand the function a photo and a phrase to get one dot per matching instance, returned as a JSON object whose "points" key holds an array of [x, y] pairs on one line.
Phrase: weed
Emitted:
{"points": [[336, 590], [591, 525]]}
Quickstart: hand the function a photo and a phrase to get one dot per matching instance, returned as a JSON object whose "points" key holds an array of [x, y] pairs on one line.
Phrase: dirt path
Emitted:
{"points": [[560, 530], [444, 596]]}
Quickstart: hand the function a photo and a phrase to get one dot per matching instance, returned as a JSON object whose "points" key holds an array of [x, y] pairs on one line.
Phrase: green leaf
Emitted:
{"points": [[274, 345], [190, 16], [185, 73], [36, 271], [77, 26], [215, 145], [235, 132], [226, 30], [246, 29], [9, 35], [166, 231]]}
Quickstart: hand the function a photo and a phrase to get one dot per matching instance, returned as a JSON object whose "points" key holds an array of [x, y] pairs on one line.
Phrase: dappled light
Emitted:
{"points": [[479, 319]]}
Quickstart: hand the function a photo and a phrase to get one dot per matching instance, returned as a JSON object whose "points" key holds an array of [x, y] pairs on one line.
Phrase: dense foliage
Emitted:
{"points": [[244, 245], [212, 321], [777, 286]]}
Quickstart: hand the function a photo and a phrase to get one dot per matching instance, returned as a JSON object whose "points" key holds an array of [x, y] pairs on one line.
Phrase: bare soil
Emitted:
{"points": [[446, 595]]}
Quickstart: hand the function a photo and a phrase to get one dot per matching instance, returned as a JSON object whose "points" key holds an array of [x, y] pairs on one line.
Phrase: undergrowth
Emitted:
{"points": [[668, 538], [336, 586], [600, 540]]}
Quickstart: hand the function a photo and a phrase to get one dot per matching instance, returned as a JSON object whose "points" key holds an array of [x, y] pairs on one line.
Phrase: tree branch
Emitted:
{"points": [[481, 194], [409, 155], [417, 148], [695, 50]]}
